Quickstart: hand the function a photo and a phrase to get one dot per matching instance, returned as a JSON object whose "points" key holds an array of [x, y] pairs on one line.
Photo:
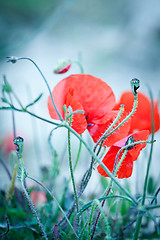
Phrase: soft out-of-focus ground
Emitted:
{"points": [[118, 40]]}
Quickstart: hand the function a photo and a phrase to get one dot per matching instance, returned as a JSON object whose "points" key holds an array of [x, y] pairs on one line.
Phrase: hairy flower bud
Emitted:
{"points": [[62, 66], [18, 141], [135, 84]]}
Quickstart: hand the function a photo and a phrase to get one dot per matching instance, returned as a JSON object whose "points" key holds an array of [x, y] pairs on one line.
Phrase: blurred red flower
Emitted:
{"points": [[141, 119], [126, 167], [7, 144], [95, 97], [38, 197]]}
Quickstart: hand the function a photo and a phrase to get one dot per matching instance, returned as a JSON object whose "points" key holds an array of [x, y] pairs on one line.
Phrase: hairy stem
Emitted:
{"points": [[54, 198], [92, 153], [108, 191], [71, 171], [22, 178], [139, 218]]}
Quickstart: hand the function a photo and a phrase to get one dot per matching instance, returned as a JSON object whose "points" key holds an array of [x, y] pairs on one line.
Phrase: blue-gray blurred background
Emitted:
{"points": [[117, 40]]}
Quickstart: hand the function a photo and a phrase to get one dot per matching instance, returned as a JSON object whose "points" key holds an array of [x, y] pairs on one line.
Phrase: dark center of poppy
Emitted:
{"points": [[129, 141], [89, 124]]}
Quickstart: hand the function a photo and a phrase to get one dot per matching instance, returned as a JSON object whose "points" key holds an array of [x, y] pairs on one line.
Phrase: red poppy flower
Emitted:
{"points": [[126, 167], [7, 144], [82, 92], [38, 198], [141, 120], [95, 97]]}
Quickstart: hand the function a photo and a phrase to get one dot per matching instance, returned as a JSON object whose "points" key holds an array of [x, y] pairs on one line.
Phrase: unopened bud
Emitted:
{"points": [[135, 84], [63, 66], [18, 141], [12, 59]]}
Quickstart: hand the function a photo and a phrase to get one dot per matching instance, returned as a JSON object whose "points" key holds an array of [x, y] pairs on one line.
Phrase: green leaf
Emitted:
{"points": [[4, 100], [36, 100], [6, 87]]}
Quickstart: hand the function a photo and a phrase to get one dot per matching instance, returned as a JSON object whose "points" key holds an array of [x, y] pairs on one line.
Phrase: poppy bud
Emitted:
{"points": [[18, 141], [129, 141], [12, 59], [135, 84], [62, 66]]}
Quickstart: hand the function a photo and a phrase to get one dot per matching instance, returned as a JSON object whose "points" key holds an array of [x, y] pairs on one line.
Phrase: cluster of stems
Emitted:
{"points": [[94, 155]]}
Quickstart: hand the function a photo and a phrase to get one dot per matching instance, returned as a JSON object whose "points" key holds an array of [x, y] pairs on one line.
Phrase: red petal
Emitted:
{"points": [[64, 70], [138, 136], [96, 96], [126, 167], [141, 120], [97, 130], [156, 117], [79, 123]]}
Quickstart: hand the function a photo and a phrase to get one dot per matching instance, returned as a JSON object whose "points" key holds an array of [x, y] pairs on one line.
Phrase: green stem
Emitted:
{"points": [[71, 171], [124, 120], [108, 191], [17, 99], [29, 199], [105, 218], [80, 65], [101, 164], [139, 218], [13, 118], [78, 155], [102, 138], [64, 124], [76, 162], [90, 221], [152, 207], [83, 229], [54, 198], [45, 80]]}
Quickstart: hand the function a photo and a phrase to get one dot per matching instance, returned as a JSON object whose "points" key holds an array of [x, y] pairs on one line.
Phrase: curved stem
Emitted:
{"points": [[13, 118], [119, 125], [33, 209], [111, 126], [45, 80], [29, 199], [79, 64], [108, 191], [101, 164], [8, 227], [71, 171], [64, 124], [54, 198]]}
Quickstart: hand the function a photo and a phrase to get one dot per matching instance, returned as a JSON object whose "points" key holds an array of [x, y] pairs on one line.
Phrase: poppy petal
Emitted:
{"points": [[126, 167], [138, 136], [141, 120], [97, 130], [79, 123], [96, 97]]}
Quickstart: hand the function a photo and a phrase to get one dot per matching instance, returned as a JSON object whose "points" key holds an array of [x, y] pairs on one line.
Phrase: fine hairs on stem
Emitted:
{"points": [[139, 218], [18, 141], [135, 84], [94, 155], [84, 143]]}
